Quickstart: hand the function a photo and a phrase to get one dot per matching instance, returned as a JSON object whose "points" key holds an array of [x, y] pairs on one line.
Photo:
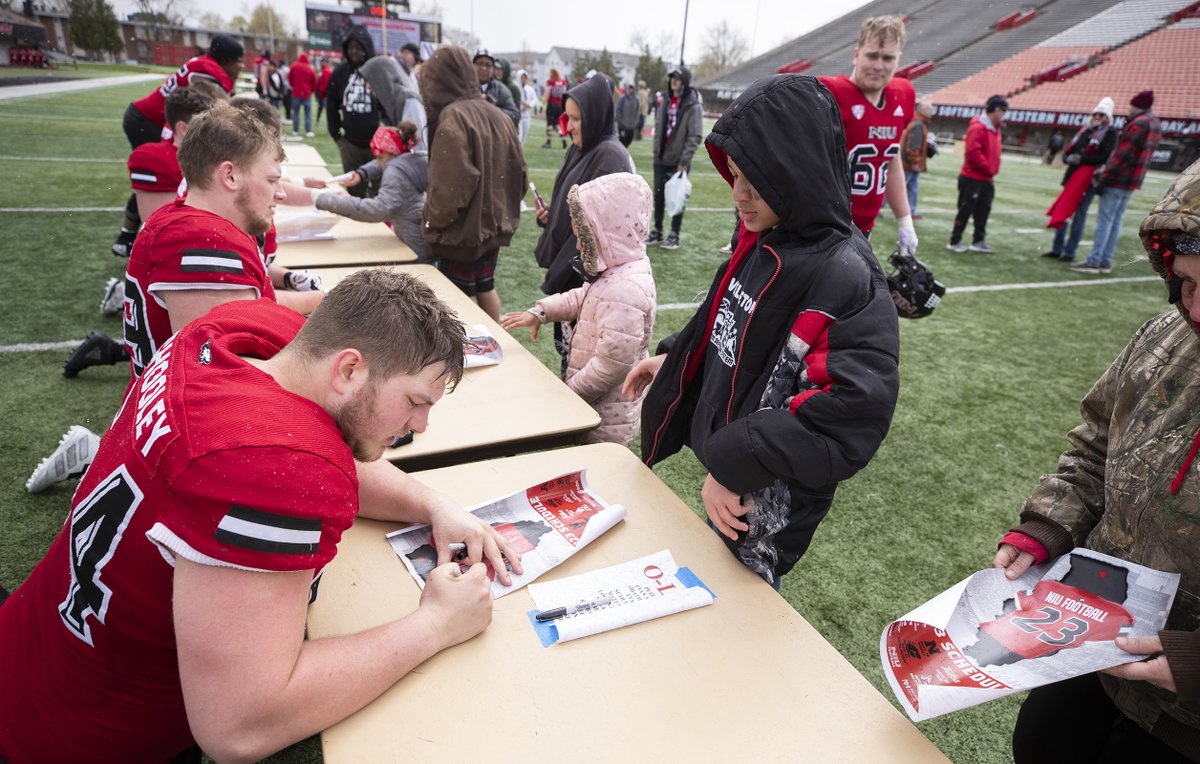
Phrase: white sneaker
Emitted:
{"points": [[309, 134], [71, 459], [113, 303]]}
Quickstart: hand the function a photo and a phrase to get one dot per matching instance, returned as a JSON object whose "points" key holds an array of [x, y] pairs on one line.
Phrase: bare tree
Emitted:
{"points": [[264, 21], [161, 15], [525, 57], [460, 37], [663, 45], [723, 47], [212, 20]]}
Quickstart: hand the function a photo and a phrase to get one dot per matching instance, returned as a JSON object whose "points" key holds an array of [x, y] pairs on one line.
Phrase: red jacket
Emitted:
{"points": [[323, 81], [981, 159], [302, 78]]}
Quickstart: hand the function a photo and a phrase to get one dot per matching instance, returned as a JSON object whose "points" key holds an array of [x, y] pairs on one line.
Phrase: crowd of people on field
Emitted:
{"points": [[259, 406]]}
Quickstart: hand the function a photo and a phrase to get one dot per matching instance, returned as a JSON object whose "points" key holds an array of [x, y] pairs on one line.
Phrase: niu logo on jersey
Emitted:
{"points": [[887, 133]]}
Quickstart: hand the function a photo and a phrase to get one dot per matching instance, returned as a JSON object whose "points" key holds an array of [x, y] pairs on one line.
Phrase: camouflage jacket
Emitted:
{"points": [[1112, 489]]}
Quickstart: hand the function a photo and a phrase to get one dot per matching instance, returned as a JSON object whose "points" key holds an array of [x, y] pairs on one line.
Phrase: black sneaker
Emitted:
{"points": [[672, 241], [124, 243], [97, 350], [655, 237], [1053, 254]]}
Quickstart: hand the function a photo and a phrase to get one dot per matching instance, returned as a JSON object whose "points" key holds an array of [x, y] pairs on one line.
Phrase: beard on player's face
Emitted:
{"points": [[353, 419], [253, 221]]}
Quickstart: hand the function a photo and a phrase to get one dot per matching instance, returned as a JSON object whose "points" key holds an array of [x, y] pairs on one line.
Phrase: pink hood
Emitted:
{"points": [[612, 219]]}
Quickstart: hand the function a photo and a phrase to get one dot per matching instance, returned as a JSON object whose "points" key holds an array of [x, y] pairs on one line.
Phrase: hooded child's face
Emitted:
{"points": [[356, 53], [1187, 269], [754, 213]]}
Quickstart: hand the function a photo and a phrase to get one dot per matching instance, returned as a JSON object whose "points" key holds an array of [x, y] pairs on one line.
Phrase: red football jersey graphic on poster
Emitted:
{"points": [[1055, 616], [919, 654]]}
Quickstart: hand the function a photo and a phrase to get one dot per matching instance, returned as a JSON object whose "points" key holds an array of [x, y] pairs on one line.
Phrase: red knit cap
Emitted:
{"points": [[1143, 100]]}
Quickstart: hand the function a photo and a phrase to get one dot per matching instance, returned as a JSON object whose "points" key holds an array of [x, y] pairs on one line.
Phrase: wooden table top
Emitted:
{"points": [[745, 679]]}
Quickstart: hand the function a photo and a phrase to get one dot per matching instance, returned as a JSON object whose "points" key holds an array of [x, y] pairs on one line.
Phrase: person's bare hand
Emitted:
{"points": [[543, 214], [452, 524], [641, 375], [1012, 560], [457, 607], [523, 318], [314, 183], [724, 508], [1154, 669]]}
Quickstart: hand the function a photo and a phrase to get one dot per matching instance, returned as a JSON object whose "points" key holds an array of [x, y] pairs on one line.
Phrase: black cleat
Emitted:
{"points": [[97, 350]]}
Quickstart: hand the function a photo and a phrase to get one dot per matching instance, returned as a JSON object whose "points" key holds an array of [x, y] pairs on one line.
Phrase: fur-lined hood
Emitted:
{"points": [[612, 219]]}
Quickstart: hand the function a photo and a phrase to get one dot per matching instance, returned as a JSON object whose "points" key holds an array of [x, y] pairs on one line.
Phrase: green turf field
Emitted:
{"points": [[990, 382]]}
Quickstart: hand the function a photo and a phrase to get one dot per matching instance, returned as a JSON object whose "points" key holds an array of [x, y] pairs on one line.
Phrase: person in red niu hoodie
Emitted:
{"points": [[323, 86], [303, 80], [981, 162]]}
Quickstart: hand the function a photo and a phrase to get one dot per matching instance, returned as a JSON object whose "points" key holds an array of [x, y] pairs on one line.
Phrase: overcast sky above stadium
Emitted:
{"points": [[539, 24]]}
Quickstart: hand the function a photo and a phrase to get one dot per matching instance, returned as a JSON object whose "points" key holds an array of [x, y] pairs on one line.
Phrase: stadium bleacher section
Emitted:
{"points": [[957, 35], [1054, 65], [1052, 19]]}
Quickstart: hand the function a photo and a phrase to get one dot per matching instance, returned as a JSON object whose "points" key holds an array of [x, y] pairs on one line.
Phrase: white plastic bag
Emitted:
{"points": [[676, 193]]}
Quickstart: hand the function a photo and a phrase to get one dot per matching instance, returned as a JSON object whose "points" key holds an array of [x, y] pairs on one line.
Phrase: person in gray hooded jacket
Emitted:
{"points": [[401, 169], [397, 93]]}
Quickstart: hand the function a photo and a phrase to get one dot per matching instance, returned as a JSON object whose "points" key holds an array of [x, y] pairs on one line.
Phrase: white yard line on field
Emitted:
{"points": [[988, 288], [72, 160], [61, 209]]}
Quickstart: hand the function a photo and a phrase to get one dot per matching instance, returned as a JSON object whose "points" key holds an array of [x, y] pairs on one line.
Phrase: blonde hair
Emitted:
{"points": [[883, 29]]}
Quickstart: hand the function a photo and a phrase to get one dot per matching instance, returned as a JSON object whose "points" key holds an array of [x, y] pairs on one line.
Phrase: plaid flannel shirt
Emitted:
{"points": [[1126, 166]]}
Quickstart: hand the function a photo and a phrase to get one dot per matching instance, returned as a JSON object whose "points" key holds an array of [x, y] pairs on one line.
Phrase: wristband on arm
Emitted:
{"points": [[1028, 544]]}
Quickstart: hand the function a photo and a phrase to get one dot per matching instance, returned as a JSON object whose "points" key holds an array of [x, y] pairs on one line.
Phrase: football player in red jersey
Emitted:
{"points": [[145, 120], [875, 110], [200, 252], [170, 611]]}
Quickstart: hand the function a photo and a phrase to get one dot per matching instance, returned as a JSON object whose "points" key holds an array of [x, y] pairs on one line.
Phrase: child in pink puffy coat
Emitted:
{"points": [[614, 309]]}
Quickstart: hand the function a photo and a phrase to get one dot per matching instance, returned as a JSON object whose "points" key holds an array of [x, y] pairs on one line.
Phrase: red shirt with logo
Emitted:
{"points": [[199, 66], [872, 138]]}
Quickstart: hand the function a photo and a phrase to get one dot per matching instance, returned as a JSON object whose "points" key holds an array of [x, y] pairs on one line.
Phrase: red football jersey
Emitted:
{"points": [[208, 460], [872, 139], [155, 167], [198, 66], [182, 248], [1057, 616], [270, 244]]}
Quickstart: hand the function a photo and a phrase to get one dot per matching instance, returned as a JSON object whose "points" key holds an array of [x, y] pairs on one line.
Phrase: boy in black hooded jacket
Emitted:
{"points": [[351, 113], [784, 381]]}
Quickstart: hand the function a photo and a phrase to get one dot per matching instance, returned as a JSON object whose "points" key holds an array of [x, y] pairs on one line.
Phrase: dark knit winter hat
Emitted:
{"points": [[1143, 100], [224, 48], [413, 48]]}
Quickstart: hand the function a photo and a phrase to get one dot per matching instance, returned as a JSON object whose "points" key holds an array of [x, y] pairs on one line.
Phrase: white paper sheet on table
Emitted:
{"points": [[306, 225], [640, 590]]}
